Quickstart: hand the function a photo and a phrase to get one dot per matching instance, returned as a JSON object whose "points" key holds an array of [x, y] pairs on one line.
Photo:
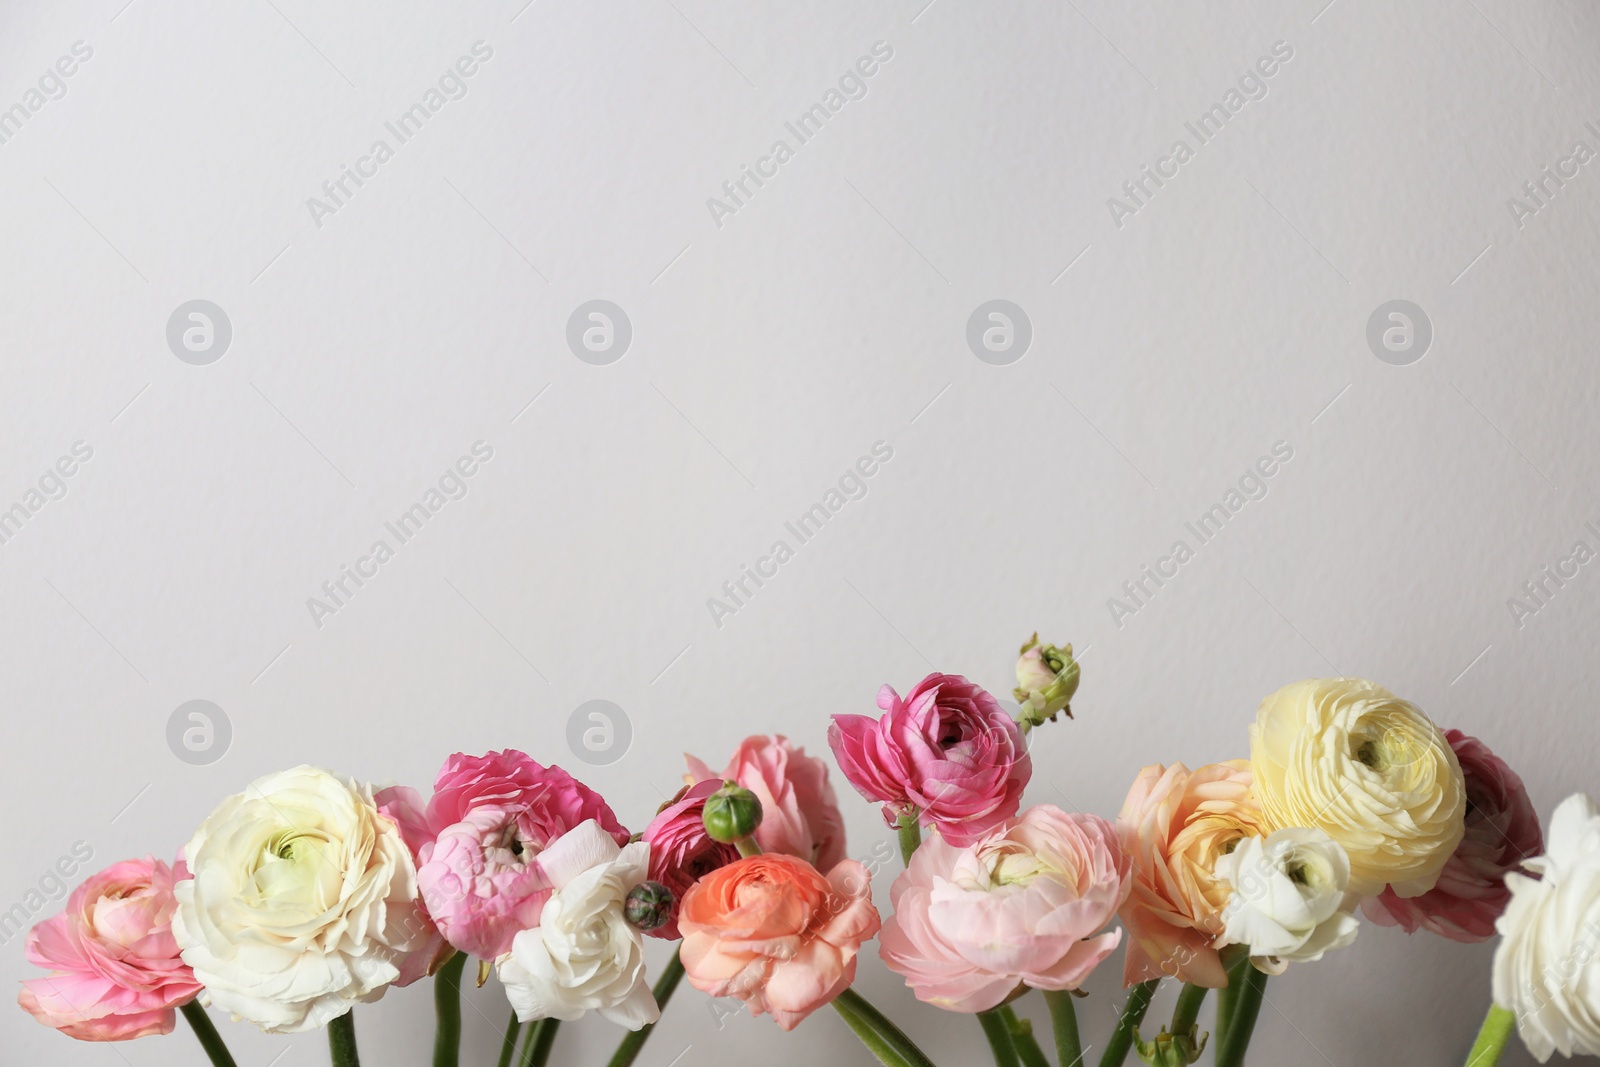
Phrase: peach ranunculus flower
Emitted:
{"points": [[1174, 825], [1024, 904], [773, 932]]}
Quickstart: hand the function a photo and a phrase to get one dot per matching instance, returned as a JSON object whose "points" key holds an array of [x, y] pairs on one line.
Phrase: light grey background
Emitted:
{"points": [[768, 354]]}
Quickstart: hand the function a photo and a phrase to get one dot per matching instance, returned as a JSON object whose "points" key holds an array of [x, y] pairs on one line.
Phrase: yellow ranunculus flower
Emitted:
{"points": [[1348, 757]]}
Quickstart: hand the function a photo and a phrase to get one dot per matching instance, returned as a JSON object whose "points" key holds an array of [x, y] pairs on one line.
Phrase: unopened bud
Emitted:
{"points": [[648, 905], [1047, 679], [732, 813]]}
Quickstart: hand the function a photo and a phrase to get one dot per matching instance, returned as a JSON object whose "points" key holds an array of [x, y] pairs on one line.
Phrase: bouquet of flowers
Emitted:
{"points": [[308, 893]]}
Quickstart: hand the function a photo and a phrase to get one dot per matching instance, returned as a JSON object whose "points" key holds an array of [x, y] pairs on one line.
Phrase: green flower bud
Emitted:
{"points": [[1047, 679], [1171, 1050], [648, 905], [732, 813]]}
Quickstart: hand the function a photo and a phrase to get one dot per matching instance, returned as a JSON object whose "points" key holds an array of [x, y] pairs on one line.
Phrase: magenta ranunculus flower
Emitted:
{"points": [[948, 749], [1502, 831], [681, 851], [1023, 904], [490, 816], [799, 812], [115, 969]]}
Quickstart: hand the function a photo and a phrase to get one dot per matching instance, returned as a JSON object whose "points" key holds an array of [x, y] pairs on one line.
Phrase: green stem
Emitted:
{"points": [[999, 1035], [1242, 1019], [508, 1048], [1132, 1015], [206, 1031], [1064, 1015], [447, 1010], [632, 1043], [1187, 1010], [342, 1041], [747, 847], [1492, 1038], [1022, 1038], [910, 835], [883, 1038], [541, 1036]]}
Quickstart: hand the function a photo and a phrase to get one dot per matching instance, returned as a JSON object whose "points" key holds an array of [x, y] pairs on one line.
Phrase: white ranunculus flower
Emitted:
{"points": [[1547, 967], [301, 900], [1288, 900], [1348, 757], [583, 956]]}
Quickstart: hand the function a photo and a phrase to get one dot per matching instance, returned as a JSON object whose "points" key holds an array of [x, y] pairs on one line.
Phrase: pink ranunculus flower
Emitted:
{"points": [[1022, 905], [403, 805], [681, 852], [490, 816], [1502, 831], [947, 749], [115, 969], [799, 812]]}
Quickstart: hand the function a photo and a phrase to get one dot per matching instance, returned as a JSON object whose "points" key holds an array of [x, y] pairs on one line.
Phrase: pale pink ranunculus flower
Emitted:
{"points": [[1024, 904], [1174, 825], [489, 818], [1502, 831], [681, 852], [776, 933], [403, 805], [115, 972], [799, 812], [946, 749]]}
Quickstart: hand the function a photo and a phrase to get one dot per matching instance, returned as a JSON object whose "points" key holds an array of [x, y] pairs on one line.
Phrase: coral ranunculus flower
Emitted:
{"points": [[1174, 826], [115, 970], [1024, 904], [1502, 831], [947, 749], [773, 932]]}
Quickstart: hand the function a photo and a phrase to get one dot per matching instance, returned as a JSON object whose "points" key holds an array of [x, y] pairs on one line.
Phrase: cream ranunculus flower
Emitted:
{"points": [[1288, 900], [583, 956], [1350, 758], [1547, 967], [302, 900]]}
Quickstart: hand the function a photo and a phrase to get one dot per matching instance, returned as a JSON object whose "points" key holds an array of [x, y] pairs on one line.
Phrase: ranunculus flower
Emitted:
{"points": [[1502, 831], [115, 973], [302, 901], [583, 956], [404, 806], [1350, 758], [1288, 897], [799, 813], [773, 932], [490, 817], [947, 750], [681, 852], [1175, 825], [1547, 966], [1023, 904]]}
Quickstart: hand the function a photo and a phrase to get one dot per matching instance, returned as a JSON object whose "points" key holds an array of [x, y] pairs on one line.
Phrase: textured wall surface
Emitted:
{"points": [[1159, 338]]}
